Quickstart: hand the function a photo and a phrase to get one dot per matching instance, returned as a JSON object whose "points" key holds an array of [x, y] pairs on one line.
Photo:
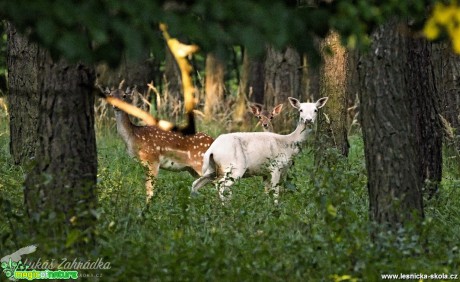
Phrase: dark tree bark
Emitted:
{"points": [[390, 144], [137, 73], [352, 89], [282, 80], [172, 78], [256, 79], [425, 106], [332, 125], [250, 89], [215, 86], [23, 96], [61, 178], [309, 81], [446, 66]]}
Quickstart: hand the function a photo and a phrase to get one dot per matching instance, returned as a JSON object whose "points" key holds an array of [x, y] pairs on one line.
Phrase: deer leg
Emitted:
{"points": [[276, 176], [151, 179], [224, 184], [200, 182], [267, 184]]}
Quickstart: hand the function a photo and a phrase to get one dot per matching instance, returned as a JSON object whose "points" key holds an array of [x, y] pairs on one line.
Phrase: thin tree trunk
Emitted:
{"points": [[332, 121], [250, 89], [309, 81], [256, 79], [446, 66], [215, 86]]}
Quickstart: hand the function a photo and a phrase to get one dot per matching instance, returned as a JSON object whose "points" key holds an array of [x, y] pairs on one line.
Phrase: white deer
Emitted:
{"points": [[236, 155]]}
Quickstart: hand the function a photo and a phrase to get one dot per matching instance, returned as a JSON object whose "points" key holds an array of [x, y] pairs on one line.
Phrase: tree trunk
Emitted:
{"points": [[309, 81], [250, 89], [332, 122], [172, 78], [282, 80], [215, 86], [256, 79], [61, 178], [395, 189], [425, 106], [137, 73], [446, 66], [23, 96]]}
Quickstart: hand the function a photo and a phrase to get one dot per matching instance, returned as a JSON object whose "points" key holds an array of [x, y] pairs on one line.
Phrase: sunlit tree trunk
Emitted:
{"points": [[282, 80], [61, 175], [214, 86], [390, 144], [332, 120]]}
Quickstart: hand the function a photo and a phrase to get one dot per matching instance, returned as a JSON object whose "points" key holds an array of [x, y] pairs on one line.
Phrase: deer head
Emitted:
{"points": [[265, 117]]}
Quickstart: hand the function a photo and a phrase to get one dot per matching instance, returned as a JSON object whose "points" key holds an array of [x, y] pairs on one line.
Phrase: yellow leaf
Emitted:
{"points": [[456, 41], [443, 14], [431, 30]]}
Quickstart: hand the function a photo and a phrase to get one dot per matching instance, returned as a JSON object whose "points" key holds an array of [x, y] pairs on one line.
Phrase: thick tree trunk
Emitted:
{"points": [[215, 86], [395, 189], [24, 95], [332, 121], [425, 106], [61, 178], [282, 80]]}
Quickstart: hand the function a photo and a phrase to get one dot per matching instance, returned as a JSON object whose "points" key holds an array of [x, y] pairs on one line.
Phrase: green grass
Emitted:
{"points": [[318, 232]]}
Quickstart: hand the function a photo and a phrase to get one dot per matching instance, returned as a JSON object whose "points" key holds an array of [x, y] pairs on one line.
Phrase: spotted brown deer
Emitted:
{"points": [[236, 155], [157, 148], [265, 117]]}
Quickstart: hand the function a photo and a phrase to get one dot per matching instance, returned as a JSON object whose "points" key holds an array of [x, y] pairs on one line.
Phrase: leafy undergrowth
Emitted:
{"points": [[318, 232]]}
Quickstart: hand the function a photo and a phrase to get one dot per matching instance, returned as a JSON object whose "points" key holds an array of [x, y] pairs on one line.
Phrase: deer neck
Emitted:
{"points": [[299, 135], [124, 126]]}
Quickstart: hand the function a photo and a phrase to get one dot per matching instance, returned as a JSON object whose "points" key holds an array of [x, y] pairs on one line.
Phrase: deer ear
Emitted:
{"points": [[255, 109], [321, 102], [294, 102], [277, 110]]}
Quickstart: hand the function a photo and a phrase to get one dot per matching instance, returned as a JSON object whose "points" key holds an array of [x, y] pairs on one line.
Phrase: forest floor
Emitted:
{"points": [[319, 231]]}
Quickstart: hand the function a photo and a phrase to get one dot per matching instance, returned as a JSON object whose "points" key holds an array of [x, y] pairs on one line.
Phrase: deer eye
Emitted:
{"points": [[316, 110], [271, 117], [300, 110]]}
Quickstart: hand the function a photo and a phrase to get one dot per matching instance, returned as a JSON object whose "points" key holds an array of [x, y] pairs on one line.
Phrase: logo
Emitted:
{"points": [[15, 269]]}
